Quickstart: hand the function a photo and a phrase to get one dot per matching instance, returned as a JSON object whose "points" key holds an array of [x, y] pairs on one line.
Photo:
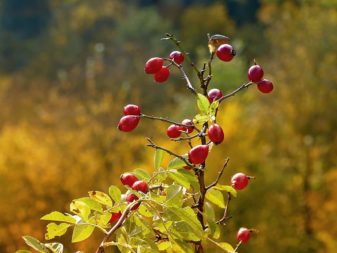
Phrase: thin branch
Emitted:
{"points": [[186, 55], [237, 246], [219, 175], [187, 137], [153, 145], [209, 77], [243, 86], [225, 217], [116, 226]]}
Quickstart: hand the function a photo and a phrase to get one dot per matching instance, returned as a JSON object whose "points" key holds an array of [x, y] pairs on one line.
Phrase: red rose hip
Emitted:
{"points": [[131, 109], [225, 52], [243, 235], [153, 65], [214, 94], [265, 86], [190, 126], [173, 131], [162, 75], [131, 198], [140, 186], [128, 123], [115, 217], [239, 181], [128, 179], [198, 154], [177, 57], [215, 133], [255, 73]]}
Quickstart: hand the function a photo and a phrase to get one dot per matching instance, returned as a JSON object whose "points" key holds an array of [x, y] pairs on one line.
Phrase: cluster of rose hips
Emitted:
{"points": [[155, 66], [130, 180]]}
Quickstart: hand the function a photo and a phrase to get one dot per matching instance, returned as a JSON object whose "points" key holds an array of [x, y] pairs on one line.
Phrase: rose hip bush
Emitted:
{"points": [[172, 210]]}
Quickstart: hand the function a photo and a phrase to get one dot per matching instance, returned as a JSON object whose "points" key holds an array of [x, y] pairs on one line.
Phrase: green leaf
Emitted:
{"points": [[143, 210], [80, 208], [174, 196], [115, 193], [226, 188], [209, 211], [54, 230], [176, 177], [176, 163], [92, 204], [227, 247], [35, 244], [203, 103], [215, 197], [163, 245], [187, 215], [101, 197], [82, 232], [213, 107], [142, 174], [55, 247], [23, 251], [101, 220], [158, 158], [180, 246], [57, 216], [200, 119]]}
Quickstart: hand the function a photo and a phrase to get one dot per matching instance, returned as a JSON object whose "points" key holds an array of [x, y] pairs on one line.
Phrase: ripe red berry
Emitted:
{"points": [[239, 181], [255, 73], [243, 235], [215, 133], [214, 94], [153, 65], [140, 186], [115, 217], [162, 75], [173, 131], [128, 179], [198, 154], [177, 56], [131, 198], [225, 52], [131, 109], [189, 123], [128, 123], [265, 86]]}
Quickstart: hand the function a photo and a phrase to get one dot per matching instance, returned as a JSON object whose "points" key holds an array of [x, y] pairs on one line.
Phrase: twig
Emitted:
{"points": [[237, 246], [187, 137], [117, 226], [243, 86], [152, 145], [224, 217], [209, 77], [219, 175]]}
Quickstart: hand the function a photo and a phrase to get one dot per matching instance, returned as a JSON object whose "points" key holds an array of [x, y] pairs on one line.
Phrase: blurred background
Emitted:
{"points": [[67, 68]]}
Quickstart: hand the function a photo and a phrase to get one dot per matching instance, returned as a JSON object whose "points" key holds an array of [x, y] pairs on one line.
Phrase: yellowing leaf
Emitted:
{"points": [[54, 230], [101, 197], [215, 197]]}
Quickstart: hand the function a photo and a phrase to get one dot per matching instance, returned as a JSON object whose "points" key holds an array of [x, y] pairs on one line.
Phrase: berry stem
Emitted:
{"points": [[219, 175], [225, 215], [152, 145], [237, 246]]}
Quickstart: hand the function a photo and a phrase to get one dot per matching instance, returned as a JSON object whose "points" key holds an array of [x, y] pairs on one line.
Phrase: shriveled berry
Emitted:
{"points": [[255, 73], [265, 86], [128, 123], [128, 179], [131, 109], [131, 198], [162, 75], [190, 126], [215, 133], [243, 235], [225, 52], [153, 65], [214, 94], [115, 217], [140, 186], [198, 154], [239, 181], [173, 131], [177, 56]]}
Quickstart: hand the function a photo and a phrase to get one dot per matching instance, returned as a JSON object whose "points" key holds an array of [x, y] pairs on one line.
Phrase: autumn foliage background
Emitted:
{"points": [[67, 68]]}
